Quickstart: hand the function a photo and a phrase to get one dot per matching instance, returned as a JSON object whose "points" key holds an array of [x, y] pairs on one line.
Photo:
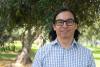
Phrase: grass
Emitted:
{"points": [[7, 56], [96, 51], [97, 58]]}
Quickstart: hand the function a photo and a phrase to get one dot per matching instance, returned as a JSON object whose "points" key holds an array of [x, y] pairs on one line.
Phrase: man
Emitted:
{"points": [[64, 51]]}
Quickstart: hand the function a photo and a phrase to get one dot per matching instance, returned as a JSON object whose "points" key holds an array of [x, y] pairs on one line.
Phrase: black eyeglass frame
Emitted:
{"points": [[69, 22]]}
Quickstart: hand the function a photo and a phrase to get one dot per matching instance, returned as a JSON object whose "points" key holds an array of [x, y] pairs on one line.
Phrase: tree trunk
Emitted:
{"points": [[23, 57]]}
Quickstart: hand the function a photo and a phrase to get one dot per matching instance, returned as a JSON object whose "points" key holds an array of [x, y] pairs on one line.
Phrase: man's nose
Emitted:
{"points": [[64, 24]]}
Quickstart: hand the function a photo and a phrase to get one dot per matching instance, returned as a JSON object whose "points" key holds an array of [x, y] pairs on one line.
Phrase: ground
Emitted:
{"points": [[4, 63], [8, 58], [8, 63]]}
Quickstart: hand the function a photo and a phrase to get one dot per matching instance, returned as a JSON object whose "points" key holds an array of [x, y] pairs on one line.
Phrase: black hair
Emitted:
{"points": [[52, 33], [63, 10]]}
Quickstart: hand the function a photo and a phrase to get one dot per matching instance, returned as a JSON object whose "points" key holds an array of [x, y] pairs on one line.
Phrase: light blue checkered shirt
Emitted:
{"points": [[53, 55]]}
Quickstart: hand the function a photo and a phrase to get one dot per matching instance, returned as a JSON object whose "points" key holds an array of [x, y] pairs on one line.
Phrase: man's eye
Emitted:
{"points": [[59, 21], [70, 21]]}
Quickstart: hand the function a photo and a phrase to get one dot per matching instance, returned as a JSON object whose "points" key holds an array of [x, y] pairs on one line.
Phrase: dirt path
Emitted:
{"points": [[9, 62], [6, 62]]}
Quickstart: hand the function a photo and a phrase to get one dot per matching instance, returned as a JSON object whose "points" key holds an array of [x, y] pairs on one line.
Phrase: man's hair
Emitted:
{"points": [[64, 10], [52, 33]]}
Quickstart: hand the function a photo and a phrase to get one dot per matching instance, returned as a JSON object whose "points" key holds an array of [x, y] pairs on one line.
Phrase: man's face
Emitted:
{"points": [[65, 25]]}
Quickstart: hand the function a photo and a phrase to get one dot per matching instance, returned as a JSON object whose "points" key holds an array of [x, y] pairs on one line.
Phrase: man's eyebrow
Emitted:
{"points": [[59, 19], [66, 19]]}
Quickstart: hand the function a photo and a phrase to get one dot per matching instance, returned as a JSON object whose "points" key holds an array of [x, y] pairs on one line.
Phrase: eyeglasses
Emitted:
{"points": [[69, 22]]}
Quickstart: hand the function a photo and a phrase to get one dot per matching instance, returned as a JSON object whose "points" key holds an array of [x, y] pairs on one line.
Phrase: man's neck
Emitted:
{"points": [[65, 42]]}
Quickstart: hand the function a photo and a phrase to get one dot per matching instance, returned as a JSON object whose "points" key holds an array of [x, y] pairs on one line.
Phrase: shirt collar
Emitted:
{"points": [[56, 42]]}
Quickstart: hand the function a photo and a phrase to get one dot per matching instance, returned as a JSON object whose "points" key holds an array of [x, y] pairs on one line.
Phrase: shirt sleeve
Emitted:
{"points": [[38, 59], [92, 61]]}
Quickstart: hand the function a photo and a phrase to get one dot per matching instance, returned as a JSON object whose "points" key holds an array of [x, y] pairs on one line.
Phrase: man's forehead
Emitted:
{"points": [[64, 15]]}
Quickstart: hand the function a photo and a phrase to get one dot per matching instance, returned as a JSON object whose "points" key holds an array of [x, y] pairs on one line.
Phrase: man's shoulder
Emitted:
{"points": [[84, 49], [46, 47]]}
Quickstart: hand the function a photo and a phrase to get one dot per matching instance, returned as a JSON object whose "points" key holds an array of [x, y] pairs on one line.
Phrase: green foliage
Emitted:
{"points": [[16, 14]]}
